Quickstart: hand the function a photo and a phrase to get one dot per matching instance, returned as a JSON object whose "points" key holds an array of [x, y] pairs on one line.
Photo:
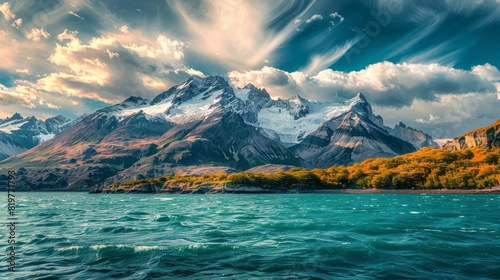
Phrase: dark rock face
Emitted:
{"points": [[486, 137], [126, 142], [257, 99]]}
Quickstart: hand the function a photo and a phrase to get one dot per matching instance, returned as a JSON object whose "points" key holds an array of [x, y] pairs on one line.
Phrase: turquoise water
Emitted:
{"points": [[292, 236]]}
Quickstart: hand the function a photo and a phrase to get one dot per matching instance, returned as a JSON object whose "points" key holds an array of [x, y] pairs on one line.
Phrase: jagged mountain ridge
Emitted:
{"points": [[485, 137], [349, 138], [201, 124], [416, 137], [18, 134]]}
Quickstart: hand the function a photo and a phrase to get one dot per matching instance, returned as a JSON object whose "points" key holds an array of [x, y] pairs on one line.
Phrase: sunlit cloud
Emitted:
{"points": [[35, 34], [17, 23], [385, 84], [236, 33], [6, 11], [17, 96], [123, 29]]}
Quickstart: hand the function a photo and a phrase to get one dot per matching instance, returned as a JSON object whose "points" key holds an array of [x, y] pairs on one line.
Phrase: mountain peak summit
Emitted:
{"points": [[14, 117], [361, 107], [360, 96]]}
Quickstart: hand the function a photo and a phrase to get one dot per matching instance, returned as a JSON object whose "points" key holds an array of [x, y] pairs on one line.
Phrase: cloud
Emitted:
{"points": [[239, 34], [314, 17], [123, 29], [487, 71], [336, 18], [5, 10], [447, 117], [112, 54], [322, 61], [73, 13], [17, 96], [171, 47], [110, 68], [439, 100], [22, 71], [162, 46], [267, 77], [385, 84], [17, 23], [35, 34]]}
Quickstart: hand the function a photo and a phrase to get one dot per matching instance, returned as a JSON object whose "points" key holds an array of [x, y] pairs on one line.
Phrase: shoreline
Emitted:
{"points": [[494, 190], [256, 190]]}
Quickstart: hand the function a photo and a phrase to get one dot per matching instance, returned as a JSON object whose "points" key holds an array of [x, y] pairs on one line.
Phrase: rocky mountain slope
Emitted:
{"points": [[204, 125], [486, 137], [351, 137], [416, 137], [18, 134]]}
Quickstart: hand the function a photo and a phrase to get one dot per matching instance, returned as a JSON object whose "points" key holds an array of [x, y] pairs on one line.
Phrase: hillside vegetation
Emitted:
{"points": [[429, 168]]}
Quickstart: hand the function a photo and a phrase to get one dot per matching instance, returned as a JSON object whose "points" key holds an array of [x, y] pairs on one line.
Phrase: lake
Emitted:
{"points": [[254, 236]]}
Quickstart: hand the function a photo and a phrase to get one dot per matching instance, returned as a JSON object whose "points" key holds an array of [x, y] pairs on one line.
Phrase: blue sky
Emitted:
{"points": [[431, 64]]}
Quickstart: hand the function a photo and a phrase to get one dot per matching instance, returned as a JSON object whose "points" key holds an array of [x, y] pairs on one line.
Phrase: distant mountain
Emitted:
{"points": [[416, 137], [204, 125], [349, 138], [486, 137], [18, 134]]}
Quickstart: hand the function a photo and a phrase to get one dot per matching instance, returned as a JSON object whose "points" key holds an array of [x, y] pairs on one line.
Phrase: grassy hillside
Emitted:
{"points": [[428, 168]]}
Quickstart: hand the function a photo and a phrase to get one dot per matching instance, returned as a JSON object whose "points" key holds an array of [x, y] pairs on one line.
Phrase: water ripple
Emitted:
{"points": [[303, 236]]}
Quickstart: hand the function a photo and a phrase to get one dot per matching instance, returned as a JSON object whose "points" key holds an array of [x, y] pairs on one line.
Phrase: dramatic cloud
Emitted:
{"points": [[385, 84], [236, 34], [110, 68]]}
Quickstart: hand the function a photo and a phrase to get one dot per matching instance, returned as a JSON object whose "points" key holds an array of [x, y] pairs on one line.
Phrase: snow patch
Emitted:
{"points": [[149, 111], [278, 122], [242, 93], [45, 137], [195, 108], [11, 126]]}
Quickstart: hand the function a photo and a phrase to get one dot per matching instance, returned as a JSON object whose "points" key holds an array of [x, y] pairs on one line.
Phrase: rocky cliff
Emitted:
{"points": [[486, 137]]}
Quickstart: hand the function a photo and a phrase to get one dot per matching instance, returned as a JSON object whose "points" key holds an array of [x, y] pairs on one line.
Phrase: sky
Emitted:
{"points": [[430, 64]]}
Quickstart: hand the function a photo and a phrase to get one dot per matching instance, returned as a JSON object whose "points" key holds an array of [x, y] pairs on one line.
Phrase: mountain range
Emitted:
{"points": [[18, 134], [202, 125]]}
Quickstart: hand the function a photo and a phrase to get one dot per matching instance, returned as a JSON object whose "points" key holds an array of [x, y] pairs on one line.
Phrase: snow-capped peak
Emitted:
{"points": [[135, 101], [14, 117], [32, 129], [193, 99], [361, 107], [288, 120]]}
